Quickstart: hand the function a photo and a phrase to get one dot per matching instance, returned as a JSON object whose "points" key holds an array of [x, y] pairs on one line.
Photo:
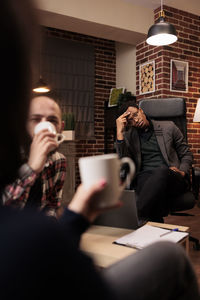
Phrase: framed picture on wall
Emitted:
{"points": [[114, 94], [178, 75], [147, 77]]}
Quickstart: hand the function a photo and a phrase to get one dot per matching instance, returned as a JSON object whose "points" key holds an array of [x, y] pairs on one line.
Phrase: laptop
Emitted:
{"points": [[123, 217]]}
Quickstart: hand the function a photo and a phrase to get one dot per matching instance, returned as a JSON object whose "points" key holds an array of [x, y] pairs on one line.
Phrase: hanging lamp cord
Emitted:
{"points": [[162, 13]]}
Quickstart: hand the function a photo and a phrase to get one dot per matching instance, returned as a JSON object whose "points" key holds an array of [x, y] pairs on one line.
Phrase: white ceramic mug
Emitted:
{"points": [[107, 166], [59, 137]]}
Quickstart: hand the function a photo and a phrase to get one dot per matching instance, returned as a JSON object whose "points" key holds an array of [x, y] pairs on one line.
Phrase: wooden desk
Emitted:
{"points": [[97, 242], [184, 242]]}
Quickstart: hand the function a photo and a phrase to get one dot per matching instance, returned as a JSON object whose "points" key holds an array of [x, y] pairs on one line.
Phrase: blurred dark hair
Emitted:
{"points": [[18, 38], [126, 96]]}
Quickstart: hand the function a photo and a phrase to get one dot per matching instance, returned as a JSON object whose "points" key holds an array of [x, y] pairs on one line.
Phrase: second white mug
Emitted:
{"points": [[48, 125]]}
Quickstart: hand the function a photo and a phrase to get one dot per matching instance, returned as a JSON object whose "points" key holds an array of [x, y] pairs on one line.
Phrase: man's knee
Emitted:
{"points": [[168, 250], [160, 259], [163, 268], [161, 173], [171, 256]]}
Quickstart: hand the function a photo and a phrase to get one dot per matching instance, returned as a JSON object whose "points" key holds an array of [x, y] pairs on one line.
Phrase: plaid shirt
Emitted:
{"points": [[52, 176]]}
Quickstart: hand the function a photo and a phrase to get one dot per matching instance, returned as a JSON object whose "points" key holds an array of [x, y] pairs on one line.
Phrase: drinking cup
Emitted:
{"points": [[59, 137], [94, 168]]}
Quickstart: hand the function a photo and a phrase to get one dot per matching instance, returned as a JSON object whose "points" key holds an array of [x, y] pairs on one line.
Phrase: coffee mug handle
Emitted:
{"points": [[61, 138], [131, 173]]}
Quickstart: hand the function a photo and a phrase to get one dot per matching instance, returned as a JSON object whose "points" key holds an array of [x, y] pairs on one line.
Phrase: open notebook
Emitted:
{"points": [[148, 234]]}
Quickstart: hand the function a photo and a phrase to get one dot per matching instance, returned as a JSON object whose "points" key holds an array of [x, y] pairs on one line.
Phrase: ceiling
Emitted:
{"points": [[192, 6], [64, 18], [148, 3]]}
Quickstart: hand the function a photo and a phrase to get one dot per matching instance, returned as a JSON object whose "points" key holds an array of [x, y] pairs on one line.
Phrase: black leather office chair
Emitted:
{"points": [[174, 109]]}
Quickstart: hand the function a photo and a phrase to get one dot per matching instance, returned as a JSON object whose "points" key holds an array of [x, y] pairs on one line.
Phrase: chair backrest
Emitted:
{"points": [[124, 216], [173, 109]]}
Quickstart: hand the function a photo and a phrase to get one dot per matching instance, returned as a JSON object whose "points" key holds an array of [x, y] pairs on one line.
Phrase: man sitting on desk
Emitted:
{"points": [[162, 157]]}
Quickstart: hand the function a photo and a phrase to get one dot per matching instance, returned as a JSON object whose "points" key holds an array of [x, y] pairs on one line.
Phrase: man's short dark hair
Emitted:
{"points": [[125, 106]]}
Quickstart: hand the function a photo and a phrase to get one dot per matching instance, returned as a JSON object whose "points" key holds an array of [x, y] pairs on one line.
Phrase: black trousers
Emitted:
{"points": [[155, 189]]}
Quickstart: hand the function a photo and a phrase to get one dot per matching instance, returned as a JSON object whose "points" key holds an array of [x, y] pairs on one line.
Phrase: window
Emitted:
{"points": [[70, 70]]}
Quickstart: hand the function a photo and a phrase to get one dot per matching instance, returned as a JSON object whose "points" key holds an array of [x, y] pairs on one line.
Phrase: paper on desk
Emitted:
{"points": [[147, 235]]}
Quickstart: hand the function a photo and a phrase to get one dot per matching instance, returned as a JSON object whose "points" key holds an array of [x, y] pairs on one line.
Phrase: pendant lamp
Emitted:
{"points": [[161, 33], [41, 86]]}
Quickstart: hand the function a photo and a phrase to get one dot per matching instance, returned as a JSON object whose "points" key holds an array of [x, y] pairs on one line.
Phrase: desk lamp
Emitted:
{"points": [[197, 112]]}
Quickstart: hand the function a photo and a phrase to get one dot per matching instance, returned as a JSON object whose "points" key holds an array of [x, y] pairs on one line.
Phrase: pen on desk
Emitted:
{"points": [[175, 229]]}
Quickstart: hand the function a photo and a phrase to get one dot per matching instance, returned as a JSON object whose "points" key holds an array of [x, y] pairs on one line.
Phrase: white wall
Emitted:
{"points": [[126, 67]]}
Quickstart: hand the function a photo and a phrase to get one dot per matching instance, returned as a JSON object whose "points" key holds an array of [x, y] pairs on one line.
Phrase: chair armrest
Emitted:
{"points": [[195, 181]]}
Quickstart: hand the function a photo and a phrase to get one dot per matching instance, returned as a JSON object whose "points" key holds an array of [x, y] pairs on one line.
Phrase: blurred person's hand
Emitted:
{"points": [[83, 201]]}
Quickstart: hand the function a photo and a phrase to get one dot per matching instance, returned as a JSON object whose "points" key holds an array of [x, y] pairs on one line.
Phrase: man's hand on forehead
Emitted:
{"points": [[126, 113]]}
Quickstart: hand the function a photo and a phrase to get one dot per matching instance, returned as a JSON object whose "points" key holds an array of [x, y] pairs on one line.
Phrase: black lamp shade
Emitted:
{"points": [[41, 86], [161, 33]]}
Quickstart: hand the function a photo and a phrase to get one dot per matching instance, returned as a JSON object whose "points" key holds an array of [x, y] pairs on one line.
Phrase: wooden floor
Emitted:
{"points": [[194, 223]]}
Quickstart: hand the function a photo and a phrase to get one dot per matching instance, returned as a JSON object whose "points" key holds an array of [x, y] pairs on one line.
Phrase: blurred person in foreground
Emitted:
{"points": [[40, 258]]}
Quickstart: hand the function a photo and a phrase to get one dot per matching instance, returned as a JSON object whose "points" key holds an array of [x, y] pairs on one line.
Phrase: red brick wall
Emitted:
{"points": [[187, 48], [105, 79]]}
